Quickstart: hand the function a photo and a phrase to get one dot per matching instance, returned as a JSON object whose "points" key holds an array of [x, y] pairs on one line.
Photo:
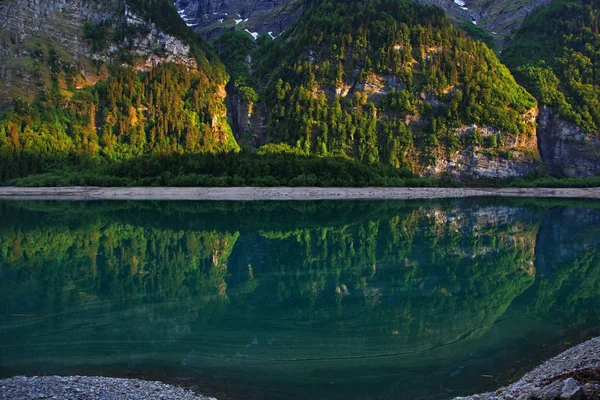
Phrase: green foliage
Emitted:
{"points": [[550, 182], [317, 79], [233, 47], [556, 55], [274, 165], [480, 34], [171, 109], [97, 35]]}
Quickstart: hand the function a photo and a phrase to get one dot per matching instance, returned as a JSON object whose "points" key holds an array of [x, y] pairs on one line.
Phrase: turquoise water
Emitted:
{"points": [[298, 300]]}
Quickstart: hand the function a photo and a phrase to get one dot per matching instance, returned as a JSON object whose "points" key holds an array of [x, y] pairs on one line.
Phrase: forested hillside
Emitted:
{"points": [[556, 55], [158, 93], [393, 82], [373, 91]]}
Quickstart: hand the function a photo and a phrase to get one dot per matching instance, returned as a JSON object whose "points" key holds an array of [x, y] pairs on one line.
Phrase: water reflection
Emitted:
{"points": [[304, 300]]}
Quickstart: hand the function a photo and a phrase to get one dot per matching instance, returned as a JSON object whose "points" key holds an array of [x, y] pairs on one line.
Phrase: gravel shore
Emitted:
{"points": [[283, 193], [90, 388], [572, 375]]}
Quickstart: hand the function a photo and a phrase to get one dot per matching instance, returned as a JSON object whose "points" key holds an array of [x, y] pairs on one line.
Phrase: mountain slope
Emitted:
{"points": [[81, 36], [402, 87], [105, 80], [556, 55], [213, 17], [496, 20]]}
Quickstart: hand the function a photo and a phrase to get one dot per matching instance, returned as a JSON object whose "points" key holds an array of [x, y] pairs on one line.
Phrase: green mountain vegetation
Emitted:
{"points": [[389, 82], [401, 87], [355, 93], [169, 108], [556, 56]]}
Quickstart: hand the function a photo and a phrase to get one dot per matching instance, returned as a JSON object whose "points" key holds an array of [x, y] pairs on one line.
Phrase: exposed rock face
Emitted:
{"points": [[213, 17], [472, 165], [502, 16], [30, 31], [247, 121], [477, 163], [567, 150], [498, 17]]}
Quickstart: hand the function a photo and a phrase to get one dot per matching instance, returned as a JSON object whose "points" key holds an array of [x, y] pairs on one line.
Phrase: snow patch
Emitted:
{"points": [[254, 34]]}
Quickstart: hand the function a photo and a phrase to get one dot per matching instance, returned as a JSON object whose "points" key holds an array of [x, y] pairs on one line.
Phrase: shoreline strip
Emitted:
{"points": [[282, 193]]}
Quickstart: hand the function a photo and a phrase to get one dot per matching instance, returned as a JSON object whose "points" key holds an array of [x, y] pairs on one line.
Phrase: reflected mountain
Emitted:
{"points": [[383, 299]]}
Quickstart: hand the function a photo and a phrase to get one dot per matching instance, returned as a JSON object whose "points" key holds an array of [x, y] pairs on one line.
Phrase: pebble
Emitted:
{"points": [[545, 381], [88, 388]]}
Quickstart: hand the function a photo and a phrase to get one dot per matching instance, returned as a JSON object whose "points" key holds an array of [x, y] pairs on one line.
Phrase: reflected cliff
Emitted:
{"points": [[280, 299]]}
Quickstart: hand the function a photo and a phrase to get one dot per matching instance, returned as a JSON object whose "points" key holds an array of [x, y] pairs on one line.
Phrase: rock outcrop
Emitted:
{"points": [[213, 17], [474, 164], [566, 149], [247, 120], [502, 16], [37, 36], [499, 18]]}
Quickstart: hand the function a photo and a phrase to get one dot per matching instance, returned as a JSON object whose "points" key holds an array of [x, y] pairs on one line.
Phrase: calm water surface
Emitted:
{"points": [[298, 300]]}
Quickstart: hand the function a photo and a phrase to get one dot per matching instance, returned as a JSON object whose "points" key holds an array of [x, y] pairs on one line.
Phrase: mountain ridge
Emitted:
{"points": [[387, 83]]}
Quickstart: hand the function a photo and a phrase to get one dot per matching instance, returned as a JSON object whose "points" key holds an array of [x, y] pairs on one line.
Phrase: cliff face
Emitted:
{"points": [[247, 120], [213, 17], [499, 17], [37, 36], [502, 16], [566, 149], [474, 164]]}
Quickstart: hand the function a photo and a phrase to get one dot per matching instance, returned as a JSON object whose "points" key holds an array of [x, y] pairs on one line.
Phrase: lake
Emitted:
{"points": [[298, 300]]}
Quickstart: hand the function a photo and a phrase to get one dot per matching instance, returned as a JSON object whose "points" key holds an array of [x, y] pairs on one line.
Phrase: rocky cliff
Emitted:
{"points": [[566, 149], [247, 120], [501, 16], [213, 17], [76, 38]]}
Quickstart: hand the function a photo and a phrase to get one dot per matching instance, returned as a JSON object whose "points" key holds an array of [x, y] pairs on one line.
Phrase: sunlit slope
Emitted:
{"points": [[394, 82]]}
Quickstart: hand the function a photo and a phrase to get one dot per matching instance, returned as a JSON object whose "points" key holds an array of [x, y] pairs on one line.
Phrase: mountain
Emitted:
{"points": [[89, 81], [500, 18], [392, 82], [213, 17], [75, 39], [556, 56], [374, 90], [492, 20]]}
